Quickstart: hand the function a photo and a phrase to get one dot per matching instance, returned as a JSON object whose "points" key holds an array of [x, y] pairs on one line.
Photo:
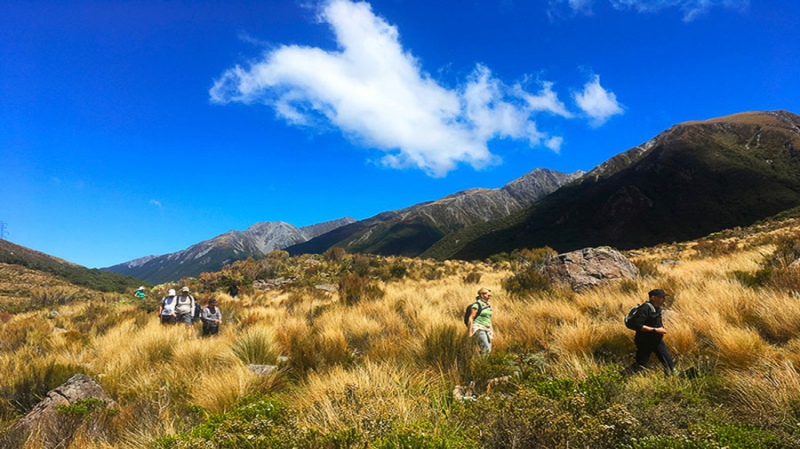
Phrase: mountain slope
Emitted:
{"points": [[211, 255], [13, 254], [695, 178], [410, 231]]}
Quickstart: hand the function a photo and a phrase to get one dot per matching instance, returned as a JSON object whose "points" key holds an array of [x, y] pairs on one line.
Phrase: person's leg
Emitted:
{"points": [[664, 357], [644, 348], [483, 342]]}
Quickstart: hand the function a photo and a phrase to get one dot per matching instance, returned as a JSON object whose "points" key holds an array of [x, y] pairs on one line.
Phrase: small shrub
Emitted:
{"points": [[532, 258], [647, 268], [334, 254], [473, 278], [398, 270], [527, 282], [53, 296], [714, 248], [787, 250], [353, 288], [756, 279]]}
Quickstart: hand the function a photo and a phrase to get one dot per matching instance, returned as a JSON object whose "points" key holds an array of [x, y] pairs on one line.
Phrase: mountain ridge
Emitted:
{"points": [[695, 178], [211, 255], [412, 230]]}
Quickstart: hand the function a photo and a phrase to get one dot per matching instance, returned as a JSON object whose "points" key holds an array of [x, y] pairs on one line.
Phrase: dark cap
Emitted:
{"points": [[213, 302], [657, 292]]}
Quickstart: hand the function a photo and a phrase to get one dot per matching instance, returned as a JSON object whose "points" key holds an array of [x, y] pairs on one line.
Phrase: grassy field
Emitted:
{"points": [[375, 365]]}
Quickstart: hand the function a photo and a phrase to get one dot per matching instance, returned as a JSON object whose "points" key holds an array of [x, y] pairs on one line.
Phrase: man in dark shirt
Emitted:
{"points": [[650, 333]]}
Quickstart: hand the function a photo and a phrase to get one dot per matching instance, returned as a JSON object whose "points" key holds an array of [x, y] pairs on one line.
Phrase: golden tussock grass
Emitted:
{"points": [[770, 394], [394, 359], [218, 391], [367, 397]]}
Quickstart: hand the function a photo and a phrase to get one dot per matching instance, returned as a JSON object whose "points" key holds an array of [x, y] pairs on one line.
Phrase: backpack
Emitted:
{"points": [[197, 312], [630, 321], [468, 312]]}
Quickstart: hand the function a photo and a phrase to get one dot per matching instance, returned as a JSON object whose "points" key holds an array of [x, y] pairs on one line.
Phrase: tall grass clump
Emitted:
{"points": [[54, 296], [449, 349], [371, 399], [256, 346], [354, 288]]}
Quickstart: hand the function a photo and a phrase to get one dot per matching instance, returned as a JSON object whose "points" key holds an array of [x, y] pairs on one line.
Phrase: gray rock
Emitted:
{"points": [[76, 388], [261, 370], [590, 267]]}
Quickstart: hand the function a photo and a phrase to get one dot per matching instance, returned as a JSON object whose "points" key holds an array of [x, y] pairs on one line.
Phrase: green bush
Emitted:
{"points": [[527, 282]]}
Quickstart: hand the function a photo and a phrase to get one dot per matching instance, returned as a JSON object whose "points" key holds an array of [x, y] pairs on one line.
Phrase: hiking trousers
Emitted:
{"points": [[647, 345], [484, 342]]}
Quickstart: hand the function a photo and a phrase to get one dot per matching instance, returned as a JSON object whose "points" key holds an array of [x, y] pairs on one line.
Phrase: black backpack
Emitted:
{"points": [[630, 321], [468, 312]]}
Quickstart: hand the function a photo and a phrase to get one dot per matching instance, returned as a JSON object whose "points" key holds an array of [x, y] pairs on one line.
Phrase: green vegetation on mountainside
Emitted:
{"points": [[696, 179], [92, 278]]}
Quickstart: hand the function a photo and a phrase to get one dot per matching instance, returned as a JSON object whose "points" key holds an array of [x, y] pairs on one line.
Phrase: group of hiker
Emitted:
{"points": [[183, 308], [646, 319]]}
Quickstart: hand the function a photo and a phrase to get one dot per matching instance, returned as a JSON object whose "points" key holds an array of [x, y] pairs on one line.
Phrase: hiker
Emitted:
{"points": [[647, 323], [212, 317], [139, 293], [480, 321], [167, 308], [233, 290], [184, 307]]}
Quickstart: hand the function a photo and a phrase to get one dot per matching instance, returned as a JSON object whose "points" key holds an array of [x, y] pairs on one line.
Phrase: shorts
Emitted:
{"points": [[185, 318], [167, 319]]}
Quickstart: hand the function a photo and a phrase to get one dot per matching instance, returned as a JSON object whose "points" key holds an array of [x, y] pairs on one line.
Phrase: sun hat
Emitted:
{"points": [[185, 289], [171, 292]]}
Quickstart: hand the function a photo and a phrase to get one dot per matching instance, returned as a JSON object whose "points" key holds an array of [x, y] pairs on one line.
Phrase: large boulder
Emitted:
{"points": [[76, 388], [590, 267]]}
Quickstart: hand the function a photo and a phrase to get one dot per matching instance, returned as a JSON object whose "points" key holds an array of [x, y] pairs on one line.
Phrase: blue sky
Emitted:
{"points": [[136, 128]]}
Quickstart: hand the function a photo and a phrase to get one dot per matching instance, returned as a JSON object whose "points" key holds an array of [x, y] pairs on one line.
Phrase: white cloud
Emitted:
{"points": [[156, 203], [598, 103], [554, 143], [691, 8], [377, 94]]}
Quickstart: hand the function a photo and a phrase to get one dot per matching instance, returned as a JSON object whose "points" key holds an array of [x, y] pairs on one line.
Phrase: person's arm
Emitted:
{"points": [[657, 330], [471, 318]]}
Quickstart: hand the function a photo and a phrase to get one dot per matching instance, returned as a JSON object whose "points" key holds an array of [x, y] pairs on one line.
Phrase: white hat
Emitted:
{"points": [[171, 292], [140, 288]]}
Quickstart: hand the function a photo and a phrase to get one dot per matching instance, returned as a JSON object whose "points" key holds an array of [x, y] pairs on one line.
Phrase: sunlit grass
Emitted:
{"points": [[393, 361]]}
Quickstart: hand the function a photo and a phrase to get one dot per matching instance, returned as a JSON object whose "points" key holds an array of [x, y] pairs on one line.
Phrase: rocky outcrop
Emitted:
{"points": [[76, 388], [590, 267]]}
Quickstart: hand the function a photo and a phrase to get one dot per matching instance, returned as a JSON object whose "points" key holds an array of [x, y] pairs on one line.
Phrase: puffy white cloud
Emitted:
{"points": [[377, 94], [598, 103]]}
